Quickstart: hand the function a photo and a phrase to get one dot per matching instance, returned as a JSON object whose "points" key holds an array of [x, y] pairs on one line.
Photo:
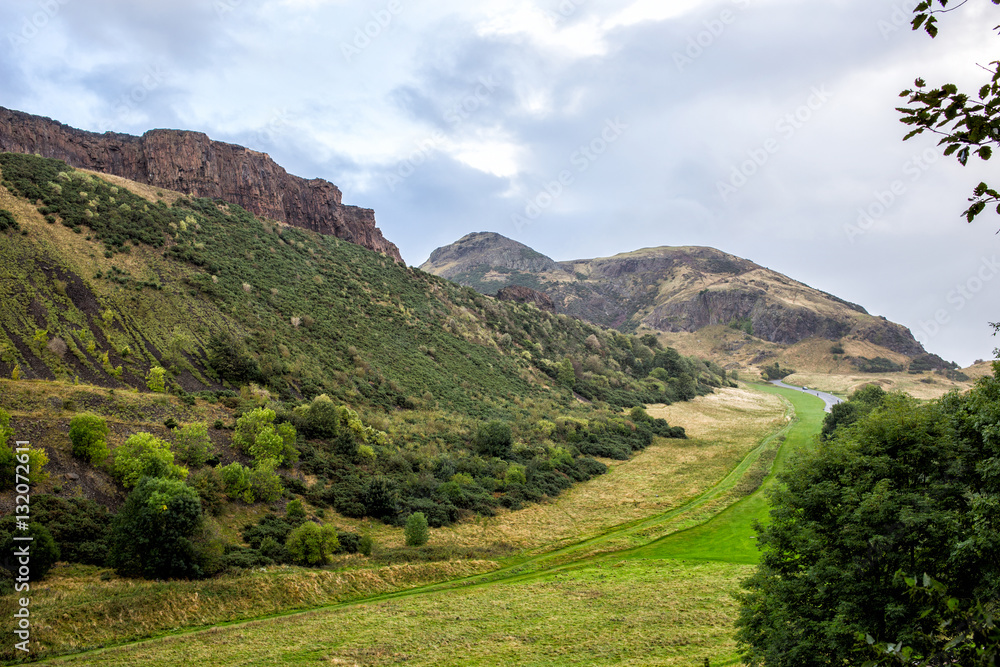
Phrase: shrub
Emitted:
{"points": [[208, 483], [156, 379], [236, 481], [494, 438], [89, 434], [416, 531], [257, 435], [145, 455], [79, 526], [36, 459], [265, 485], [312, 544], [151, 535], [366, 544], [7, 220], [193, 444], [295, 512], [44, 551], [322, 420]]}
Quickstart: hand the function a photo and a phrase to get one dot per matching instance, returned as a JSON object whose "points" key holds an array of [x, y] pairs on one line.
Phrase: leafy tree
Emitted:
{"points": [[967, 124], [79, 526], [907, 486], [494, 438], [89, 434], [231, 360], [295, 512], [416, 531], [265, 484], [145, 455], [312, 544], [193, 445], [965, 632], [258, 436], [36, 459], [44, 552], [236, 481], [156, 379], [322, 419], [152, 535]]}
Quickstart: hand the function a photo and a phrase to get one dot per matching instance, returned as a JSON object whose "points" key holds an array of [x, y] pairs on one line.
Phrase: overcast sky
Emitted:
{"points": [[582, 128]]}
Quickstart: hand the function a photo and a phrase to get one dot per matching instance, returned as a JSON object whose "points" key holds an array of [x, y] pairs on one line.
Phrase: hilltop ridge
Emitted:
{"points": [[671, 289], [194, 164]]}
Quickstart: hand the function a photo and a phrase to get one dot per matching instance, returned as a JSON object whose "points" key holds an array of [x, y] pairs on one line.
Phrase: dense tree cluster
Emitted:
{"points": [[897, 488]]}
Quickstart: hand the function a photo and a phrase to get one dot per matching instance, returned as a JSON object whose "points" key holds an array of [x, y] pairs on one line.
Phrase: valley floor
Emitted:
{"points": [[639, 566]]}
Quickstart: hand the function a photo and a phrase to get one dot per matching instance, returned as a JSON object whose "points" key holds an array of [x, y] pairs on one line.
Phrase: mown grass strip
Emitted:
{"points": [[729, 536]]}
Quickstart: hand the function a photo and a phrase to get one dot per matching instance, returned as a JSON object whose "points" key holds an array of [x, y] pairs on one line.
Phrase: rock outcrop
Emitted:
{"points": [[669, 289], [191, 163], [521, 294]]}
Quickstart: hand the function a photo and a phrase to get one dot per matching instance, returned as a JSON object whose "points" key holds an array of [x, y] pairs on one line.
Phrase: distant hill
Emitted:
{"points": [[679, 289]]}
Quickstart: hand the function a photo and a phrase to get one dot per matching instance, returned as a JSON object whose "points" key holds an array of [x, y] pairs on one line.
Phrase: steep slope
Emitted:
{"points": [[214, 294], [191, 163], [670, 290]]}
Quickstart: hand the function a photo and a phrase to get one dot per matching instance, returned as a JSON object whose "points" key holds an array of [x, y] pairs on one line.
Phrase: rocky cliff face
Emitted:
{"points": [[191, 163]]}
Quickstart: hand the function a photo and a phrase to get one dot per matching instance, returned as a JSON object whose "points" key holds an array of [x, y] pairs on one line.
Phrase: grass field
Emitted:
{"points": [[625, 613], [729, 536], [570, 601]]}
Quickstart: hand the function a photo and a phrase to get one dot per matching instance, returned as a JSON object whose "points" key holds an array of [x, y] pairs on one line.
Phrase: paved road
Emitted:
{"points": [[829, 399]]}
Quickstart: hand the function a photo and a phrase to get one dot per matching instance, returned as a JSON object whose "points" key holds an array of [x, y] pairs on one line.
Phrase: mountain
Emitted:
{"points": [[191, 163], [671, 289]]}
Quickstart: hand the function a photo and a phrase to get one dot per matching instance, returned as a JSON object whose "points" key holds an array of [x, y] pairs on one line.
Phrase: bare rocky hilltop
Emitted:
{"points": [[671, 289], [191, 163]]}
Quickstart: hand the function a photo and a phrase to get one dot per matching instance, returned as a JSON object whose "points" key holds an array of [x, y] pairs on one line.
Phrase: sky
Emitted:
{"points": [[582, 128]]}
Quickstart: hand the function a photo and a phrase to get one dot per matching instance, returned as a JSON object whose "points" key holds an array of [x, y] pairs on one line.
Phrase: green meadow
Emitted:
{"points": [[666, 601]]}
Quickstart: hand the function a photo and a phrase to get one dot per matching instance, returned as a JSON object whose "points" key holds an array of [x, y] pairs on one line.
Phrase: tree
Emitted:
{"points": [[43, 550], [152, 535], [35, 459], [145, 455], [89, 434], [967, 124], [416, 531], [156, 379], [257, 435], [312, 544], [193, 444], [494, 438], [907, 487]]}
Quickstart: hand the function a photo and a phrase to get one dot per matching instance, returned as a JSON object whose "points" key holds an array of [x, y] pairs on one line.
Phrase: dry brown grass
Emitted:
{"points": [[844, 385], [724, 427], [76, 607]]}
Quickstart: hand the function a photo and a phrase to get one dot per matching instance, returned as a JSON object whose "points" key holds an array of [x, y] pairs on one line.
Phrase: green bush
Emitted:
{"points": [[7, 221], [494, 438], [236, 481], [152, 534], [312, 544], [79, 526], [145, 455], [416, 531], [89, 434], [193, 445], [36, 459], [44, 552]]}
